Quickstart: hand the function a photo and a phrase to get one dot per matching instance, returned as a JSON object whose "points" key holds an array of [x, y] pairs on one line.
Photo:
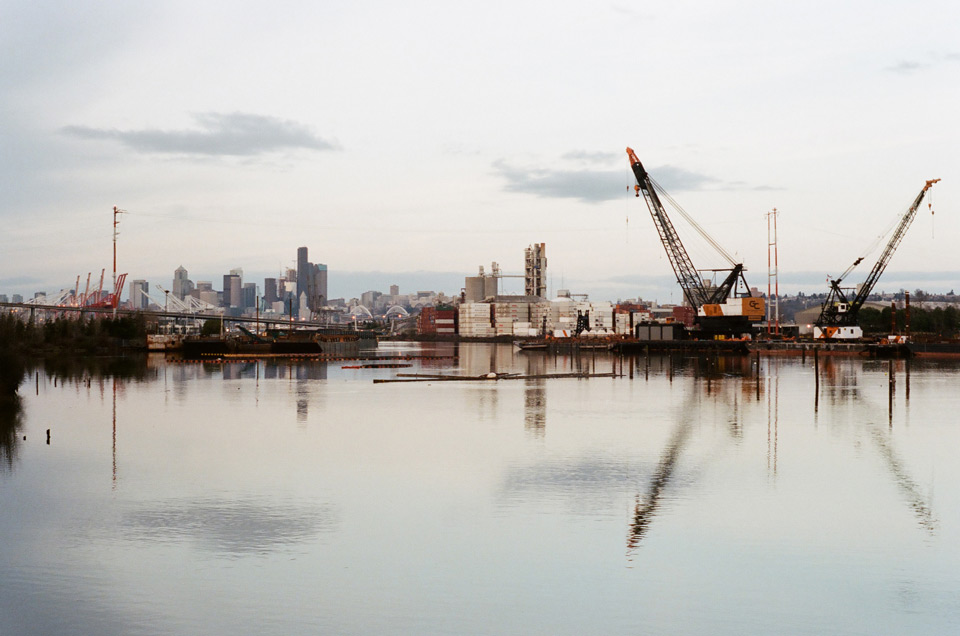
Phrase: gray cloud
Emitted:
{"points": [[592, 186], [906, 66], [228, 134]]}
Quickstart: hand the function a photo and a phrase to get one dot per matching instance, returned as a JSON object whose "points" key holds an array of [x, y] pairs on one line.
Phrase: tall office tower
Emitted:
{"points": [[236, 291], [319, 296], [535, 270], [249, 295], [3, 298], [231, 290], [138, 297], [394, 290], [204, 285], [270, 291], [17, 298], [181, 283], [303, 272]]}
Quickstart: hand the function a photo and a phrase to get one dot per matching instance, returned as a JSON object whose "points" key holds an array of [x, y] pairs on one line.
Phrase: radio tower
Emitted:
{"points": [[116, 222], [773, 283]]}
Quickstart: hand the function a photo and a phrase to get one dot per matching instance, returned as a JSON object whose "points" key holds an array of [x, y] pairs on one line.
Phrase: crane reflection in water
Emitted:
{"points": [[843, 385]]}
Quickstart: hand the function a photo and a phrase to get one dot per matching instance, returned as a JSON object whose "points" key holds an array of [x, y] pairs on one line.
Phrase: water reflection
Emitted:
{"points": [[79, 370], [645, 511], [11, 422], [232, 527], [535, 406], [905, 482], [397, 486], [535, 397]]}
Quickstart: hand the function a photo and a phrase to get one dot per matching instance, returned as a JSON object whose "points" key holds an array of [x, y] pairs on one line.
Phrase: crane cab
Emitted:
{"points": [[837, 333]]}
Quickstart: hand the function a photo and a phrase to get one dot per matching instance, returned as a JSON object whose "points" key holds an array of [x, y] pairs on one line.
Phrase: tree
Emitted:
{"points": [[211, 327], [919, 297]]}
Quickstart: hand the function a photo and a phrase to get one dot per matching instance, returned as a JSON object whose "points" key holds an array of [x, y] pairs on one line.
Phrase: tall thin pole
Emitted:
{"points": [[773, 277], [116, 222]]}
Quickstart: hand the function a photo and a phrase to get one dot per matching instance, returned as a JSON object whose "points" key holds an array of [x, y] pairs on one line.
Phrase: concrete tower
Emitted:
{"points": [[535, 270]]}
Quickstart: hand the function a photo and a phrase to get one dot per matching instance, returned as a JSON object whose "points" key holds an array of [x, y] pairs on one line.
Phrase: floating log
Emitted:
{"points": [[418, 377]]}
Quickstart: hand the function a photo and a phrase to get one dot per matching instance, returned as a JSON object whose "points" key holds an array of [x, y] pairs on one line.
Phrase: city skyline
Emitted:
{"points": [[228, 140]]}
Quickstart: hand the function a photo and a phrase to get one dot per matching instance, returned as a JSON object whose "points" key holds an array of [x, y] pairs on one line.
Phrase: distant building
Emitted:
{"points": [[204, 286], [232, 290], [535, 270], [182, 285], [441, 321], [3, 298], [394, 290], [311, 281], [303, 271], [209, 296], [369, 298], [270, 295], [249, 295], [138, 294], [320, 290], [482, 286], [17, 298]]}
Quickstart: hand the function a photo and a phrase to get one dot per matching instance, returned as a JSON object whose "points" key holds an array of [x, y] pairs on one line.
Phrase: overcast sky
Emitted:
{"points": [[409, 137]]}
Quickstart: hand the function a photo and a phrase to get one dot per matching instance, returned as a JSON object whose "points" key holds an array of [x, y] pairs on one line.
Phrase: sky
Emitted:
{"points": [[412, 142]]}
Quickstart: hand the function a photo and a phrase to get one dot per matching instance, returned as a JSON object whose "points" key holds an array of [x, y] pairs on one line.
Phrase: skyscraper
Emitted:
{"points": [[303, 271], [249, 295], [311, 281], [270, 291], [320, 287], [232, 294], [138, 297], [182, 285]]}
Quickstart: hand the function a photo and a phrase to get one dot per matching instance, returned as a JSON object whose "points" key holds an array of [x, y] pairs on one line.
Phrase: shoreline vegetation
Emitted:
{"points": [[24, 342]]}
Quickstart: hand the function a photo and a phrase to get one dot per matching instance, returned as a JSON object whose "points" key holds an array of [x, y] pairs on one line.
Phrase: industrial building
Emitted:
{"points": [[441, 321], [535, 270]]}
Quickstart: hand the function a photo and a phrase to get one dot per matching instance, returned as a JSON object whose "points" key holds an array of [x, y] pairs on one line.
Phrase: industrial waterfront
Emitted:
{"points": [[686, 494]]}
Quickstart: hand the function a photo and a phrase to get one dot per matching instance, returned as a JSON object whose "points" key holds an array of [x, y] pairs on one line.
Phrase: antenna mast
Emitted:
{"points": [[773, 280], [116, 222]]}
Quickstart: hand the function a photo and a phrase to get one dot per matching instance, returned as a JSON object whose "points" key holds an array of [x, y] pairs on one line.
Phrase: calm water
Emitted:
{"points": [[686, 497]]}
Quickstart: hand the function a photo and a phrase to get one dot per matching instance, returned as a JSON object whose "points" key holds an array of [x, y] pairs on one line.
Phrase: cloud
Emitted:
{"points": [[592, 157], [226, 134], [591, 186], [905, 67]]}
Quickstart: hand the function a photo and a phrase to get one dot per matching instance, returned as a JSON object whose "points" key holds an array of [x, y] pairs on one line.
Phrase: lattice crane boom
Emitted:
{"points": [[837, 310], [687, 275]]}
